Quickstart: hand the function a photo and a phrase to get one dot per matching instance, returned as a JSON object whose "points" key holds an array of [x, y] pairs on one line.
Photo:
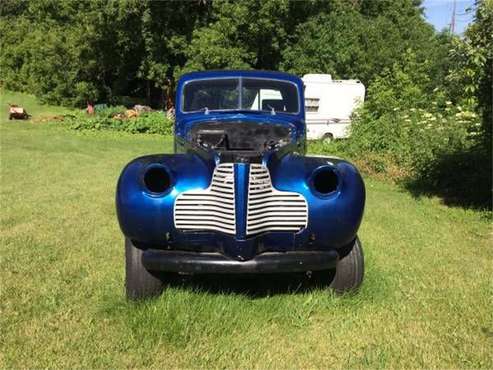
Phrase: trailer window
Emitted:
{"points": [[312, 104]]}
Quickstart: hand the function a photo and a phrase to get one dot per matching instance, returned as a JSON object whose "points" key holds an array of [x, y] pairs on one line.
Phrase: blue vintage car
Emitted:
{"points": [[239, 195]]}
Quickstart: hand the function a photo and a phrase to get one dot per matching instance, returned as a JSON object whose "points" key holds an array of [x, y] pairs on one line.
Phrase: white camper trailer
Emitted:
{"points": [[329, 104]]}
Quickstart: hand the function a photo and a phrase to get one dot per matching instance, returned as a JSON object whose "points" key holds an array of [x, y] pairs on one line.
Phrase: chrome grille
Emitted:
{"points": [[270, 209], [209, 209], [213, 208]]}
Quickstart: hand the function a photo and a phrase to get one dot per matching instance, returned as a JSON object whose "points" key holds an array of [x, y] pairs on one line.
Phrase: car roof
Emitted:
{"points": [[241, 73]]}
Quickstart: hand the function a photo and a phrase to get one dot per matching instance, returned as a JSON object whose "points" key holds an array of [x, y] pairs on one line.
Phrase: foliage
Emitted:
{"points": [[470, 77], [361, 39], [116, 51], [400, 121], [71, 52], [147, 122], [414, 137], [247, 34], [423, 138]]}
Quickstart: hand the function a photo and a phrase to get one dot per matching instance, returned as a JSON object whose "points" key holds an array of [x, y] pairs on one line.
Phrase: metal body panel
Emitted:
{"points": [[317, 222]]}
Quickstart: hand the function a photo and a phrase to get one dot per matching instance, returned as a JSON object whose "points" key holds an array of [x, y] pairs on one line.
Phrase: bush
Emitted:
{"points": [[414, 137], [404, 132], [404, 125], [113, 118]]}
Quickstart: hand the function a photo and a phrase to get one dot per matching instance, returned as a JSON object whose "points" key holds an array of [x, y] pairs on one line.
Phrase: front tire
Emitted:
{"points": [[350, 270], [139, 283]]}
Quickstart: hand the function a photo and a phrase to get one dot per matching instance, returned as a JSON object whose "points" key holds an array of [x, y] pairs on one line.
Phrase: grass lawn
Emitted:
{"points": [[426, 300]]}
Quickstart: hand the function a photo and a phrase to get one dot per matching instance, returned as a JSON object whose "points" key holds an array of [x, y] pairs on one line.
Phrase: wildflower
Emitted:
{"points": [[470, 114], [448, 102], [396, 109]]}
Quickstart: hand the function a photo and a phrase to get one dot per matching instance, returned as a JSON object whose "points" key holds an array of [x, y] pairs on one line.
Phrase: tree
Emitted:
{"points": [[361, 39], [248, 34]]}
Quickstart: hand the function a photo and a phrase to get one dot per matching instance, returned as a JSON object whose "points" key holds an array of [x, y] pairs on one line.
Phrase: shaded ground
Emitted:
{"points": [[460, 179]]}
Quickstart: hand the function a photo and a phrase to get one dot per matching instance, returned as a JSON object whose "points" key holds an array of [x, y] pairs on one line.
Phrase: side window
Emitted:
{"points": [[312, 104]]}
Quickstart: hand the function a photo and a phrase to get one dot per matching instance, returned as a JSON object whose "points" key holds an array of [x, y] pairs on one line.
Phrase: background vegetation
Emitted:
{"points": [[114, 119], [427, 120], [68, 52]]}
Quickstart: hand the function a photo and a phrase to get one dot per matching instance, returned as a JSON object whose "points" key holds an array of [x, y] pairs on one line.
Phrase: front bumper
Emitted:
{"points": [[216, 263]]}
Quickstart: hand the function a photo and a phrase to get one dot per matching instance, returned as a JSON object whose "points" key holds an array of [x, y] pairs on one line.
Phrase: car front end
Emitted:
{"points": [[239, 195]]}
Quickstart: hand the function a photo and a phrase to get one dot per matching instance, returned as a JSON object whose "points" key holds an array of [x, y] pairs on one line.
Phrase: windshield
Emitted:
{"points": [[254, 94]]}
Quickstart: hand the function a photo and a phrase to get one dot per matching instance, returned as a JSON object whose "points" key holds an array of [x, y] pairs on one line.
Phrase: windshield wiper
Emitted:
{"points": [[272, 110]]}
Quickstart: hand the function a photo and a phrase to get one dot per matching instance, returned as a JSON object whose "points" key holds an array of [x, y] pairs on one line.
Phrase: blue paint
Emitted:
{"points": [[333, 220], [185, 121], [241, 198]]}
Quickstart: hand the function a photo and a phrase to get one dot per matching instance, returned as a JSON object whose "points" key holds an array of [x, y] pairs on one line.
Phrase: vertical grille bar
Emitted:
{"points": [[241, 198]]}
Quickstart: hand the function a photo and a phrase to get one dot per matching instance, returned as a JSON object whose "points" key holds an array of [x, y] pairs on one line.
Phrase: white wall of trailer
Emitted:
{"points": [[329, 104]]}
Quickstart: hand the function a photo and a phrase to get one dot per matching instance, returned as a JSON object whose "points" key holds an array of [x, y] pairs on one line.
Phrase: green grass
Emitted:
{"points": [[30, 103], [425, 301]]}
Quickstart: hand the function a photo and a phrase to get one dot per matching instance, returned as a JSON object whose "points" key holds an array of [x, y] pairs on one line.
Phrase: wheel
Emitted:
{"points": [[328, 138], [348, 274], [139, 283], [350, 270]]}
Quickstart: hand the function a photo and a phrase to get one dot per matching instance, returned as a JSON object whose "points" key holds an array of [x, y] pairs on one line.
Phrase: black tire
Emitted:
{"points": [[350, 270], [139, 283], [328, 138]]}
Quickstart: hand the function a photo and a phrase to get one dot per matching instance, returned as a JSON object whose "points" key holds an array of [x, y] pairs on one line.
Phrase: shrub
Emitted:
{"points": [[107, 119], [414, 137], [404, 132], [402, 124]]}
